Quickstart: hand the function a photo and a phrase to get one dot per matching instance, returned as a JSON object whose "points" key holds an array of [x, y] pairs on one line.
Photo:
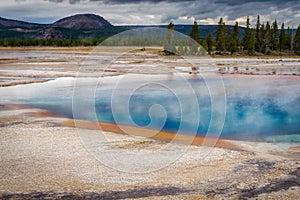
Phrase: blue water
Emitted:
{"points": [[257, 109]]}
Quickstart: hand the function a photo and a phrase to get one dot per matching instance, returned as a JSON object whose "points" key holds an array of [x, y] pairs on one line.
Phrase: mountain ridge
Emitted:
{"points": [[18, 23]]}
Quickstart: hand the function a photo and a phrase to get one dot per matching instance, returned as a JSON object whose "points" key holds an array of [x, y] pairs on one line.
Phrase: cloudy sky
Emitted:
{"points": [[121, 12]]}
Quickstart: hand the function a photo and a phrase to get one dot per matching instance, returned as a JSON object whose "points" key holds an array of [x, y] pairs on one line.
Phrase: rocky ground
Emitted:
{"points": [[40, 64]]}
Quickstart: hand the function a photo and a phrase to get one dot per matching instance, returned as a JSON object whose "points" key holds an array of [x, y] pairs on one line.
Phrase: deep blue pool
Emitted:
{"points": [[256, 109]]}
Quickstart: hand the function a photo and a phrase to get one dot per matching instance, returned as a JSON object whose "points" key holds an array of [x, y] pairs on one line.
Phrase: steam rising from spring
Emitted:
{"points": [[130, 56]]}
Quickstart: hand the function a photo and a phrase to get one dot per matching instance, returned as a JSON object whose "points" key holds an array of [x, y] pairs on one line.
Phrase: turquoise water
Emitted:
{"points": [[257, 109]]}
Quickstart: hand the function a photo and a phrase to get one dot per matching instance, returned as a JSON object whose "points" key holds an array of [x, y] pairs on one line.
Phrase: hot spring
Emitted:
{"points": [[257, 108]]}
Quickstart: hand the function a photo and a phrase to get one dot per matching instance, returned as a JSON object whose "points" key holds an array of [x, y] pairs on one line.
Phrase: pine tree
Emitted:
{"points": [[220, 43], [251, 44], [205, 47], [282, 38], [274, 35], [235, 38], [267, 38], [258, 25], [228, 38], [296, 43], [258, 35], [260, 39], [195, 33], [220, 36], [209, 42], [289, 39], [247, 35]]}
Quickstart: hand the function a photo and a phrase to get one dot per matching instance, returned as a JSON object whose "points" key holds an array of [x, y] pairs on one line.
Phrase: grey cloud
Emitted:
{"points": [[61, 1], [225, 2], [55, 1], [214, 8], [137, 1], [115, 1], [160, 11], [242, 9], [235, 2], [74, 1], [238, 2]]}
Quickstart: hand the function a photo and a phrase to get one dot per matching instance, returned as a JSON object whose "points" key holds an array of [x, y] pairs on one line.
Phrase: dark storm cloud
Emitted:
{"points": [[117, 1], [74, 1], [55, 1], [228, 2], [61, 1], [138, 1], [236, 2]]}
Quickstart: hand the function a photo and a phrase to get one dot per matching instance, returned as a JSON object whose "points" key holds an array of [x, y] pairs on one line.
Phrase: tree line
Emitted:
{"points": [[50, 42], [263, 38]]}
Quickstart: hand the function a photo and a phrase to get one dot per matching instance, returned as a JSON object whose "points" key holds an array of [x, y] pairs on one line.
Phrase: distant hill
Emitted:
{"points": [[81, 26], [83, 21]]}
